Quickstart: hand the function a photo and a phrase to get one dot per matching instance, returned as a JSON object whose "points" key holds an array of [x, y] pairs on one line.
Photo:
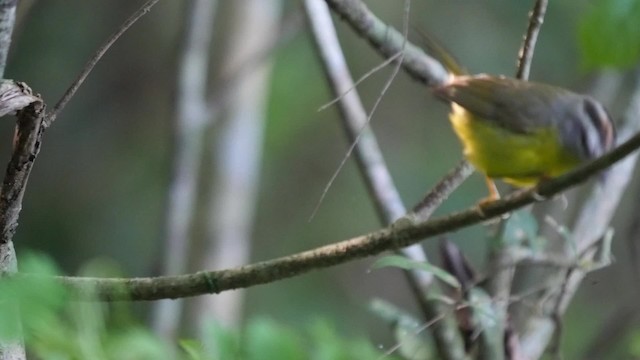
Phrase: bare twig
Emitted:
{"points": [[362, 78], [372, 166], [439, 193], [53, 114], [385, 196], [237, 154], [525, 56], [356, 136], [191, 119], [432, 322]]}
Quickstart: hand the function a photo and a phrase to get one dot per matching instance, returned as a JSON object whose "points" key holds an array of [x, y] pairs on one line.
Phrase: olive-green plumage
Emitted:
{"points": [[523, 131]]}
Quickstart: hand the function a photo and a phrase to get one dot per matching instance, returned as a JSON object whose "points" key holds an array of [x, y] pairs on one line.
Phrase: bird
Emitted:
{"points": [[521, 132]]}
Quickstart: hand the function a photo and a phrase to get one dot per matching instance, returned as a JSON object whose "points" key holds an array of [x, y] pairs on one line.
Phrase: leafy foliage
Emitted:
{"points": [[55, 328], [266, 339]]}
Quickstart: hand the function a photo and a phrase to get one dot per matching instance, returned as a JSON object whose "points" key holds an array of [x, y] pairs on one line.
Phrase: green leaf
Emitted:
{"points": [[408, 264], [609, 34]]}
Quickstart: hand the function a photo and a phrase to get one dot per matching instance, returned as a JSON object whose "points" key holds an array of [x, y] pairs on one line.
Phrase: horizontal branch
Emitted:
{"points": [[403, 233]]}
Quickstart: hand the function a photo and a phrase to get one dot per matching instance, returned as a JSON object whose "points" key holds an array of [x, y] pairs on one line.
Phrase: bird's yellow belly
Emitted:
{"points": [[518, 159]]}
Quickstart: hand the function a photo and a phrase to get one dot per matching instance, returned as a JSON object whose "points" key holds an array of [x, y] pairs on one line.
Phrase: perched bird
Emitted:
{"points": [[520, 131]]}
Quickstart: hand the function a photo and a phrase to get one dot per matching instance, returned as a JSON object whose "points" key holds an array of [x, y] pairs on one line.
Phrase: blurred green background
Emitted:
{"points": [[99, 186]]}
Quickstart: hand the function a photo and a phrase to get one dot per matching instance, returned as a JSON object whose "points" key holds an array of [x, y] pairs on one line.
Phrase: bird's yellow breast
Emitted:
{"points": [[519, 159]]}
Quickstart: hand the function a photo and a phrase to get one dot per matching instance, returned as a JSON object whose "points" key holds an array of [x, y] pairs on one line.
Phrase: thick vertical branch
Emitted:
{"points": [[238, 152], [8, 262], [191, 119], [26, 147], [15, 96]]}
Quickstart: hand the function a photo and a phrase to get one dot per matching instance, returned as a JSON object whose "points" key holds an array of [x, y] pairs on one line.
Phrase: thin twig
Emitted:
{"points": [[358, 135], [53, 114], [357, 129], [525, 56], [415, 332], [362, 78], [441, 191]]}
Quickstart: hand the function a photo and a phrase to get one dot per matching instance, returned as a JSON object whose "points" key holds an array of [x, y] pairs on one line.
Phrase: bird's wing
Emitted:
{"points": [[516, 105]]}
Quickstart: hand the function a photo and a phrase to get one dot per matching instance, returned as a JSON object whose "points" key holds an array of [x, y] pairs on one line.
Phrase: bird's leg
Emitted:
{"points": [[493, 191], [493, 194]]}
